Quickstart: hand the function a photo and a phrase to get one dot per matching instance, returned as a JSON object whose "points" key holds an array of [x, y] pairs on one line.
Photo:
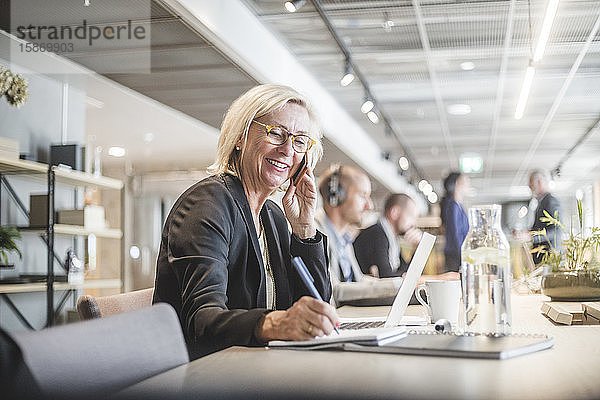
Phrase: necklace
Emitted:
{"points": [[270, 280]]}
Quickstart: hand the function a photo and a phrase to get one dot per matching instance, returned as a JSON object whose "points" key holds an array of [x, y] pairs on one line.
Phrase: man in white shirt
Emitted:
{"points": [[346, 193]]}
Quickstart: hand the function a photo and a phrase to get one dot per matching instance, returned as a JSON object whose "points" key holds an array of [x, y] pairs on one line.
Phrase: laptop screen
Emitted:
{"points": [[415, 269]]}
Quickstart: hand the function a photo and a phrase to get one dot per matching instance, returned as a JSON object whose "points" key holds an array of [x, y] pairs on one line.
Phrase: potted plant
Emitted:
{"points": [[8, 235], [573, 272]]}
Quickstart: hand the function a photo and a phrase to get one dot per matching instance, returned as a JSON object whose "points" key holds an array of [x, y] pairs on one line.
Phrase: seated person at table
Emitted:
{"points": [[346, 193], [225, 256], [376, 247]]}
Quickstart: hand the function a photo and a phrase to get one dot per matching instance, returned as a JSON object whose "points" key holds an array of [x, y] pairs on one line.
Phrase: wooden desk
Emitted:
{"points": [[571, 369]]}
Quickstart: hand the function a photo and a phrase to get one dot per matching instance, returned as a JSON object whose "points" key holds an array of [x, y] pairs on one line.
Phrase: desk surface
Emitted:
{"points": [[571, 369]]}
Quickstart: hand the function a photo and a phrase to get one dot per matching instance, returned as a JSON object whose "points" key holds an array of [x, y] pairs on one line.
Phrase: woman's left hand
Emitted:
{"points": [[299, 204]]}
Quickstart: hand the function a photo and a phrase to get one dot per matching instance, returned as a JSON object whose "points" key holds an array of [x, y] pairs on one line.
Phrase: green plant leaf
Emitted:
{"points": [[580, 214]]}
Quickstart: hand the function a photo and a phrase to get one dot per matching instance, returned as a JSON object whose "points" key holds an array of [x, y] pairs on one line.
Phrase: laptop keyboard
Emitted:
{"points": [[362, 325]]}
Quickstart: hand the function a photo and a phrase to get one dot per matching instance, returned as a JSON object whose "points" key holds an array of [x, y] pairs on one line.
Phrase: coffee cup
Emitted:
{"points": [[443, 299]]}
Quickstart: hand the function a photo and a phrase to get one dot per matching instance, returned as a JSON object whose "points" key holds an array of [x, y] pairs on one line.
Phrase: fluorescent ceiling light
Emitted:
{"points": [[459, 109], [116, 151], [545, 32], [525, 92], [367, 106], [372, 115], [148, 137], [467, 66], [403, 163]]}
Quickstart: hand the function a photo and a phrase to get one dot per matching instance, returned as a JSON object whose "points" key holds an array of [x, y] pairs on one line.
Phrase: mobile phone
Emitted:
{"points": [[300, 171]]}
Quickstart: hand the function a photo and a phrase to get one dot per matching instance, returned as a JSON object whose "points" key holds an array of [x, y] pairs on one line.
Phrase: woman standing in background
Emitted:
{"points": [[454, 218]]}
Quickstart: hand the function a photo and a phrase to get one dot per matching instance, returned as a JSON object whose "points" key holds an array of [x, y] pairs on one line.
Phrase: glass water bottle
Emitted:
{"points": [[486, 273]]}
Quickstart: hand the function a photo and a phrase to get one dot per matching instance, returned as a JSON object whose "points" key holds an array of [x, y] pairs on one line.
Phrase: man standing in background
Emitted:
{"points": [[539, 183]]}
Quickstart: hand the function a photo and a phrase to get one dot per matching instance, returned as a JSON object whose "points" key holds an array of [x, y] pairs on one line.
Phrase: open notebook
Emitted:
{"points": [[375, 331]]}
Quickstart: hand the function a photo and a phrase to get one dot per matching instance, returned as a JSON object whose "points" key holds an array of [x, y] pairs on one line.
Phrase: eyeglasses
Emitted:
{"points": [[278, 135]]}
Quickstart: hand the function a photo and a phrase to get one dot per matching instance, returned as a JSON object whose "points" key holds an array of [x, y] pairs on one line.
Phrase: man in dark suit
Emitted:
{"points": [[539, 181], [376, 247]]}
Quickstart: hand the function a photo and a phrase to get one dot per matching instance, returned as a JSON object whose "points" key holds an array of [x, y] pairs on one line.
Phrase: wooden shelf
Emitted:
{"points": [[62, 229], [82, 231], [41, 286], [78, 178], [16, 166], [62, 175]]}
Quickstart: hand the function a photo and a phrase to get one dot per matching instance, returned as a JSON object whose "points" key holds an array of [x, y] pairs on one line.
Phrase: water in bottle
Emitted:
{"points": [[486, 273]]}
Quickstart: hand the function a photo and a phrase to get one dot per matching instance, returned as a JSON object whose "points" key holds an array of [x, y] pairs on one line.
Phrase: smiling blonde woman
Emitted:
{"points": [[225, 257]]}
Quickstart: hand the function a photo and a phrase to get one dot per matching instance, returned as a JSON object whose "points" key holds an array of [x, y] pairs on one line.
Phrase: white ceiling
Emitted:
{"points": [[413, 71]]}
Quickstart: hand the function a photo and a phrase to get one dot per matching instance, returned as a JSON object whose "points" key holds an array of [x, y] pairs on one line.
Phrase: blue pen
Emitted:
{"points": [[308, 280]]}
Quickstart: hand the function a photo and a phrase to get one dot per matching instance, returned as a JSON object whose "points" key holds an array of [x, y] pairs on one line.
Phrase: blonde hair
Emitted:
{"points": [[256, 102]]}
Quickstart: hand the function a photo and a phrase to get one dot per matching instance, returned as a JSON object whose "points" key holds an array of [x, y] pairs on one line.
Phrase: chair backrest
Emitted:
{"points": [[103, 355], [90, 307]]}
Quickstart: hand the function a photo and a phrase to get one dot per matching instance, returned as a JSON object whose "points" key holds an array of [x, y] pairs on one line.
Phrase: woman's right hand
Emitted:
{"points": [[304, 320]]}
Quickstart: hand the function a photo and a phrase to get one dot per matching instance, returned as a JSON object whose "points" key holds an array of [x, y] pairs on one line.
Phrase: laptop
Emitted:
{"points": [[396, 315]]}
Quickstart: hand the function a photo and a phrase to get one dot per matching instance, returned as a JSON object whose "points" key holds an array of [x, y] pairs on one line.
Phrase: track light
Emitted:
{"points": [[293, 6], [403, 163], [348, 75], [367, 106], [372, 115], [432, 197], [525, 91]]}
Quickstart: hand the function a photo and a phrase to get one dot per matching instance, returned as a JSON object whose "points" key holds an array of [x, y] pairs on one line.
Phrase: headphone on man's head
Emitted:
{"points": [[335, 192]]}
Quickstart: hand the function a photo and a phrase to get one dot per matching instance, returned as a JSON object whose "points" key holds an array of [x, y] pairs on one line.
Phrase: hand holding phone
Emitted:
{"points": [[300, 171]]}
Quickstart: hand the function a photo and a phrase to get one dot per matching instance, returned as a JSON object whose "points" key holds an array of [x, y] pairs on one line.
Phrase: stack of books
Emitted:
{"points": [[572, 313]]}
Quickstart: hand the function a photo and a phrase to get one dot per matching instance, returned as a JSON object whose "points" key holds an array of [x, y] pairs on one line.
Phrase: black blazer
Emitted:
{"points": [[211, 271], [371, 247]]}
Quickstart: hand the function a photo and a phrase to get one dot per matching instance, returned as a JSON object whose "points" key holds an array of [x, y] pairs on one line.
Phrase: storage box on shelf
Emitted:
{"points": [[54, 176]]}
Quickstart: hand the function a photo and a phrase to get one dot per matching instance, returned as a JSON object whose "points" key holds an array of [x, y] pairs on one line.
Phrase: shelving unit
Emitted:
{"points": [[53, 176]]}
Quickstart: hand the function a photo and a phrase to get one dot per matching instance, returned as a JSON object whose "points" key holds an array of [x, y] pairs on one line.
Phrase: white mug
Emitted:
{"points": [[443, 299]]}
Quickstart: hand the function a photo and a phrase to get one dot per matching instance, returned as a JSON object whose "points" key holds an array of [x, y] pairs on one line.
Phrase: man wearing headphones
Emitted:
{"points": [[346, 193]]}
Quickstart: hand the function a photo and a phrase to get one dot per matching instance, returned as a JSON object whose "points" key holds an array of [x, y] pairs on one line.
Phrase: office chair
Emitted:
{"points": [[101, 356], [90, 307]]}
